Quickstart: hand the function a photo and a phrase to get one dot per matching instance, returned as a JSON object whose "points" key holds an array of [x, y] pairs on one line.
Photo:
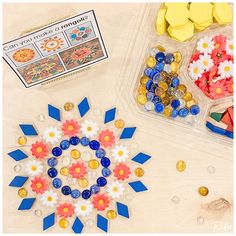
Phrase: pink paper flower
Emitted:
{"points": [[100, 202], [121, 171], [78, 170], [39, 149], [218, 56], [70, 128], [39, 185], [218, 89], [106, 138], [65, 210], [220, 42]]}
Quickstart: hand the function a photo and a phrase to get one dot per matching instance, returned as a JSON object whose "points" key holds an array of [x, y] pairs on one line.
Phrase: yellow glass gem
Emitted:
{"points": [[151, 62], [75, 154], [174, 67], [139, 172], [63, 223], [187, 96], [64, 171], [165, 101], [159, 91], [111, 214], [160, 48], [142, 90], [68, 106], [22, 140], [177, 56], [190, 103], [22, 192], [93, 164], [119, 124], [203, 191], [182, 87], [163, 85], [180, 166], [167, 111], [143, 80], [141, 99], [83, 183]]}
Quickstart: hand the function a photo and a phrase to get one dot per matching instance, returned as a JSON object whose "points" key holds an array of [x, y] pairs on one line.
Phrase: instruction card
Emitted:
{"points": [[56, 50]]}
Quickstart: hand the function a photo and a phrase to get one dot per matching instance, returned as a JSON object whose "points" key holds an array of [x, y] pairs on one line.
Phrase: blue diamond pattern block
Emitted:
{"points": [[17, 155], [18, 181], [141, 158], [138, 186], [122, 210], [48, 221], [26, 204], [54, 112], [83, 107], [28, 129], [127, 133], [77, 226], [102, 223], [110, 115]]}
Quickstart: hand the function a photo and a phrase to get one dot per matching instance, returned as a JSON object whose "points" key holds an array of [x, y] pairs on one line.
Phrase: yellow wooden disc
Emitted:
{"points": [[161, 22], [222, 12]]}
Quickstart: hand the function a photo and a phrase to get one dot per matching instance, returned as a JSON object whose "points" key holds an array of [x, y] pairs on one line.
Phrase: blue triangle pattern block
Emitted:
{"points": [[110, 115], [48, 221], [122, 209], [127, 133], [138, 186], [54, 112], [77, 226], [102, 223], [141, 158], [28, 129], [18, 181], [17, 155], [83, 107], [26, 204]]}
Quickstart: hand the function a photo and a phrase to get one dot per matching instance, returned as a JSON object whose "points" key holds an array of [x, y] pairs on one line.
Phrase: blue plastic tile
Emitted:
{"points": [[77, 226], [54, 112], [110, 115], [83, 107], [229, 134], [48, 221], [122, 209], [141, 158], [17, 155], [127, 133], [18, 181], [138, 186], [26, 204], [102, 223], [28, 129], [215, 128]]}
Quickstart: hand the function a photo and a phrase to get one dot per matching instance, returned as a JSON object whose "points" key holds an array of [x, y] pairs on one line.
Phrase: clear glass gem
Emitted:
{"points": [[41, 117], [66, 161], [97, 112], [86, 156], [200, 220], [89, 223], [17, 168], [211, 169], [38, 212], [175, 199]]}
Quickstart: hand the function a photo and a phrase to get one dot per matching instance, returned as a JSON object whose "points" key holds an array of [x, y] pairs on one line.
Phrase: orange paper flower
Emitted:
{"points": [[39, 149], [106, 138], [65, 210], [78, 170], [70, 127], [121, 171], [100, 202], [39, 185]]}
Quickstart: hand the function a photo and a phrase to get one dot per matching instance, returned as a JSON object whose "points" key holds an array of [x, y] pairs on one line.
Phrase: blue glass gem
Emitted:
{"points": [[101, 181], [74, 140], [169, 58], [160, 57], [105, 162], [52, 172], [52, 161], [175, 103], [65, 144], [153, 88], [175, 82], [160, 66], [149, 84], [100, 153], [94, 189], [150, 96], [66, 190], [159, 107], [194, 109], [147, 71], [84, 141], [86, 194], [56, 151], [56, 183], [174, 113], [183, 112], [75, 193], [94, 145], [153, 73], [156, 99], [156, 78], [106, 172]]}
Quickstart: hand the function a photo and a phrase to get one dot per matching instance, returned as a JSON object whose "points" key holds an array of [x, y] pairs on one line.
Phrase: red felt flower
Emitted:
{"points": [[121, 171], [218, 89], [78, 170], [229, 83], [218, 56], [70, 128], [106, 138], [65, 210], [100, 202], [220, 42], [39, 185], [195, 56], [39, 149]]}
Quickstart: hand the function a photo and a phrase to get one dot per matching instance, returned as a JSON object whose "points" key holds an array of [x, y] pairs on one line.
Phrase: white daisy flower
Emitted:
{"points": [[49, 198], [115, 189], [83, 207], [89, 128], [52, 135], [205, 45], [229, 47], [33, 168], [226, 69], [196, 69], [120, 153], [206, 61]]}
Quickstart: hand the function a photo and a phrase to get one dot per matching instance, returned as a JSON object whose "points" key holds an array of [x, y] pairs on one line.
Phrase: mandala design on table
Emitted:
{"points": [[79, 168], [24, 55], [52, 44]]}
